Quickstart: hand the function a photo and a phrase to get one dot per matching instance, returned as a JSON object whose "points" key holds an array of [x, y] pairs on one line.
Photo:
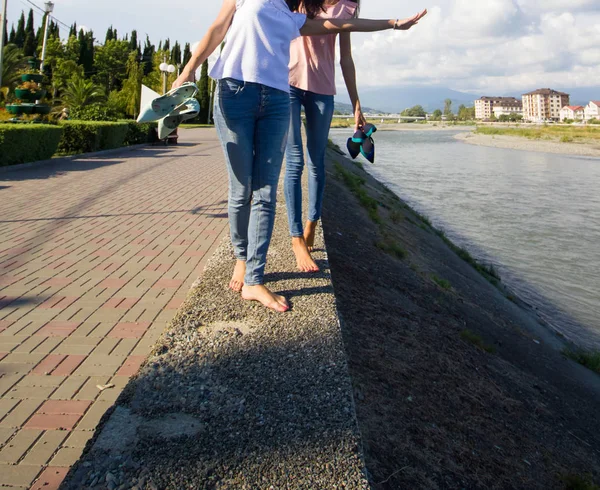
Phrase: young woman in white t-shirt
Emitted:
{"points": [[252, 114]]}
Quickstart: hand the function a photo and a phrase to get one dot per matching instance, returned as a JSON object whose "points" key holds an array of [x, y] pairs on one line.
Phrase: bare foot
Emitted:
{"points": [[309, 234], [261, 294], [237, 280], [303, 259]]}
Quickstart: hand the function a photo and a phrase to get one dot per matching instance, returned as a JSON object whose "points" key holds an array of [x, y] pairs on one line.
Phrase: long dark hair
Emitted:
{"points": [[312, 7]]}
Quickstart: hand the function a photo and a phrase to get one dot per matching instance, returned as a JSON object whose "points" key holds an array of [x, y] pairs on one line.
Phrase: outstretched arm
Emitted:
{"points": [[215, 36], [349, 72], [315, 27]]}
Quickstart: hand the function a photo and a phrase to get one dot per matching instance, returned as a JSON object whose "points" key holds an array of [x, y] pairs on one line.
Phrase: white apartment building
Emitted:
{"points": [[574, 112], [486, 107], [592, 110], [543, 105]]}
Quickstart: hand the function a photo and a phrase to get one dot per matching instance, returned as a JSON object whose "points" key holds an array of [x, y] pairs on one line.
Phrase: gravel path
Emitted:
{"points": [[540, 146], [235, 396]]}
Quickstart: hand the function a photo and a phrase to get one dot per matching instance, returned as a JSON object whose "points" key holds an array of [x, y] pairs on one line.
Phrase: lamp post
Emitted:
{"points": [[2, 34], [49, 8], [165, 68]]}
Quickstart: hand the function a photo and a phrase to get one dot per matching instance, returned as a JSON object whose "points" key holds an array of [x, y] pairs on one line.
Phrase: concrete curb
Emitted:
{"points": [[70, 158]]}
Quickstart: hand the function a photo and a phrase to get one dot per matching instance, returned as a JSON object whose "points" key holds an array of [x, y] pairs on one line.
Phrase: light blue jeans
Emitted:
{"points": [[319, 111], [252, 121]]}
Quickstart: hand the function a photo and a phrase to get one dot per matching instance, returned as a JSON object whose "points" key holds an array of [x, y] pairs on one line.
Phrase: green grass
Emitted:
{"points": [[578, 482], [391, 248], [194, 126], [477, 341], [355, 184], [565, 134], [396, 216], [443, 283], [589, 359]]}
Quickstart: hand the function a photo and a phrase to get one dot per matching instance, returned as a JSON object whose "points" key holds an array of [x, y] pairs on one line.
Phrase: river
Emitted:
{"points": [[534, 216]]}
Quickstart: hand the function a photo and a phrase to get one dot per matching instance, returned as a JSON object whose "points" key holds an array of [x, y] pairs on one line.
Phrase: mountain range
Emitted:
{"points": [[396, 99]]}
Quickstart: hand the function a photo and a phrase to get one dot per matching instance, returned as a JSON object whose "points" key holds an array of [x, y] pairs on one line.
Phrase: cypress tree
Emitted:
{"points": [[30, 29], [20, 35], [88, 61], [73, 30], [133, 42], [13, 35], [176, 54], [187, 54], [203, 94], [109, 35], [167, 46], [29, 46], [147, 56]]}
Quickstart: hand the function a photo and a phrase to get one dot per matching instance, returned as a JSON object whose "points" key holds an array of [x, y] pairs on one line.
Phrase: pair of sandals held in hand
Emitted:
{"points": [[171, 109], [362, 143]]}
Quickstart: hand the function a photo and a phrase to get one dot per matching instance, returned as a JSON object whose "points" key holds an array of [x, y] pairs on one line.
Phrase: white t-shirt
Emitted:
{"points": [[257, 48]]}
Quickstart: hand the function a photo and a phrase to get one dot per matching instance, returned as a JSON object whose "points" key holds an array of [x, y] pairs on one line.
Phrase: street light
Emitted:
{"points": [[166, 69], [49, 7]]}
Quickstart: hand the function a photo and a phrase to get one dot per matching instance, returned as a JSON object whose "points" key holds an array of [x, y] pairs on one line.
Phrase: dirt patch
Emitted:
{"points": [[455, 385]]}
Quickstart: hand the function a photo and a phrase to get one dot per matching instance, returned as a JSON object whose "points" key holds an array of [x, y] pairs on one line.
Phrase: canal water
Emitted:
{"points": [[534, 216]]}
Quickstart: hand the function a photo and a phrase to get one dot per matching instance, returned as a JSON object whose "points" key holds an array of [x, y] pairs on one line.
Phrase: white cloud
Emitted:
{"points": [[491, 46]]}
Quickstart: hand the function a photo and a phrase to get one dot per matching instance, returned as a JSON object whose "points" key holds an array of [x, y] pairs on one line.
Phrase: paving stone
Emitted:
{"points": [[78, 438], [45, 447], [18, 446], [17, 417], [51, 478], [66, 456], [93, 415], [18, 475], [69, 388]]}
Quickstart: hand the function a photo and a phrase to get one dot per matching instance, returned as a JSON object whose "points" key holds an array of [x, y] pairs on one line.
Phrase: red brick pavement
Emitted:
{"points": [[95, 257]]}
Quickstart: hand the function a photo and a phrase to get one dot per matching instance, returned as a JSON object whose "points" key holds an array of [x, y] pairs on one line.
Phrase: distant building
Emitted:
{"points": [[486, 107], [574, 112], [592, 110], [543, 105]]}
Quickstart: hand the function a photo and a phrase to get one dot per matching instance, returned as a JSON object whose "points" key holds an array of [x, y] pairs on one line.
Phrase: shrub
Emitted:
{"points": [[88, 136], [140, 133], [23, 143], [95, 112]]}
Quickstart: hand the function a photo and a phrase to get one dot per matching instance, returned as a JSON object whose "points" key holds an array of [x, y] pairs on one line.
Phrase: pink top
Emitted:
{"points": [[312, 58]]}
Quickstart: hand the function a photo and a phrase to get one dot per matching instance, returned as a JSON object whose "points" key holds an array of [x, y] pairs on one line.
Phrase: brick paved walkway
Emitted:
{"points": [[96, 255]]}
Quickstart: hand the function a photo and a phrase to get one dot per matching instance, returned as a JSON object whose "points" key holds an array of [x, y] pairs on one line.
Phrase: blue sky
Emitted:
{"points": [[482, 46]]}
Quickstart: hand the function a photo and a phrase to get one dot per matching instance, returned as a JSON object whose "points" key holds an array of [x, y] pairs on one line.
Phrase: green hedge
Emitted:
{"points": [[87, 136], [22, 143]]}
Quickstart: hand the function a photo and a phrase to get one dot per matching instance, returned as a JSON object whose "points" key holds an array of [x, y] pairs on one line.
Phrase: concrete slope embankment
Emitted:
{"points": [[235, 396], [456, 384]]}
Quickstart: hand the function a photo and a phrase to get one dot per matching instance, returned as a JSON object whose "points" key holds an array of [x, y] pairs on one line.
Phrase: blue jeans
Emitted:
{"points": [[252, 122], [319, 111]]}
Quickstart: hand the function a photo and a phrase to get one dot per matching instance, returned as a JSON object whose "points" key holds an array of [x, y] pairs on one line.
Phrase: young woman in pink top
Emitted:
{"points": [[312, 86]]}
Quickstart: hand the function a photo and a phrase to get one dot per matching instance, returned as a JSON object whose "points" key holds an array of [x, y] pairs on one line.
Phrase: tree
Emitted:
{"points": [[13, 36], [109, 35], [13, 61], [447, 107], [73, 30], [437, 115], [176, 54], [132, 87], [147, 56], [466, 113], [167, 46], [20, 34], [133, 42], [80, 92], [416, 111], [187, 54], [203, 94], [111, 64]]}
